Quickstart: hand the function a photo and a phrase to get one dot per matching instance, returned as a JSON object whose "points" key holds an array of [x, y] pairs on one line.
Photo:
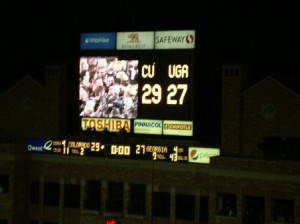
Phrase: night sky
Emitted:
{"points": [[264, 33]]}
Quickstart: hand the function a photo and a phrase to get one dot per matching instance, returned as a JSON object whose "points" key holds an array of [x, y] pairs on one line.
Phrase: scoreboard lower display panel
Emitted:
{"points": [[153, 152], [129, 151]]}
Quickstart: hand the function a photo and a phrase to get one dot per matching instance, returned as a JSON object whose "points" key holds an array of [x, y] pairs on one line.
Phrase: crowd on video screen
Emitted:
{"points": [[108, 87]]}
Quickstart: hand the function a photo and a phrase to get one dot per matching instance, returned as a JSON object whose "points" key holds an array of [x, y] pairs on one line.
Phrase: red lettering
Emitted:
{"points": [[111, 222]]}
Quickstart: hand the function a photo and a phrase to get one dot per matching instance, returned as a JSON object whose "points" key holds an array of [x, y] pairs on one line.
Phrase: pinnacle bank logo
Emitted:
{"points": [[145, 126], [151, 124]]}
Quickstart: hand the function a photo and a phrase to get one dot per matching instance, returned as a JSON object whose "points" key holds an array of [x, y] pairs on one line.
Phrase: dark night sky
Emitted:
{"points": [[264, 33]]}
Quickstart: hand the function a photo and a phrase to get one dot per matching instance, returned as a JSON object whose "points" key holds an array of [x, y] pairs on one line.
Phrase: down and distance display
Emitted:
{"points": [[130, 151], [153, 152]]}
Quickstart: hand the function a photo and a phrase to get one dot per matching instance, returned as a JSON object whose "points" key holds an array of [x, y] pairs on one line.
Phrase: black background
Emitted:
{"points": [[264, 33]]}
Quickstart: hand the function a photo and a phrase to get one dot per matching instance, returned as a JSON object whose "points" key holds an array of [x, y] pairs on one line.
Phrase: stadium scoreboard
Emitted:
{"points": [[135, 151], [138, 76], [129, 151]]}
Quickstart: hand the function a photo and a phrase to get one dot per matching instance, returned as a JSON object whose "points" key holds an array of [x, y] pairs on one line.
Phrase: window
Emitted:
{"points": [[114, 201], [231, 72], [254, 210], [283, 210], [92, 199], [185, 207], [34, 192], [72, 196], [51, 193], [204, 212], [137, 203], [4, 184], [161, 204], [226, 204]]}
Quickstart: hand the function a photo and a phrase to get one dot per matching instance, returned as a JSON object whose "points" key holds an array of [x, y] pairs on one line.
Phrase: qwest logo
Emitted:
{"points": [[40, 146]]}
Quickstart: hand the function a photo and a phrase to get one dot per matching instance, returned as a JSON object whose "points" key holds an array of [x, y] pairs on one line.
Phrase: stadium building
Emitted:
{"points": [[254, 178]]}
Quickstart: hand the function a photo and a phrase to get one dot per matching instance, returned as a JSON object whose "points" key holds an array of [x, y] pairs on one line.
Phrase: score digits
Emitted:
{"points": [[153, 93], [130, 151]]}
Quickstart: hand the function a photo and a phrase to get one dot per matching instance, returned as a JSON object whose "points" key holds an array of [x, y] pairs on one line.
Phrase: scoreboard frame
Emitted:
{"points": [[165, 76]]}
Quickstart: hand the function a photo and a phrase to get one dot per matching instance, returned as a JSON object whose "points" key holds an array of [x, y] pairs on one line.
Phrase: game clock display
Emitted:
{"points": [[130, 151], [154, 84]]}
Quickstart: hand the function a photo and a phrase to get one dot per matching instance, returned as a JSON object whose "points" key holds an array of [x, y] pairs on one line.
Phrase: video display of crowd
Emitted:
{"points": [[108, 87]]}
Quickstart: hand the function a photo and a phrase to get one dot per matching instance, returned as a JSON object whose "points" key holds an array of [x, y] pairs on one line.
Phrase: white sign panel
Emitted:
{"points": [[146, 126], [177, 39], [179, 128], [202, 155], [135, 40]]}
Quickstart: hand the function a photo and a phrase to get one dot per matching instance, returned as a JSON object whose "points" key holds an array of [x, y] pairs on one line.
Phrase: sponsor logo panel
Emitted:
{"points": [[202, 155], [99, 124], [135, 40], [146, 126], [179, 128], [177, 39], [98, 41], [39, 146]]}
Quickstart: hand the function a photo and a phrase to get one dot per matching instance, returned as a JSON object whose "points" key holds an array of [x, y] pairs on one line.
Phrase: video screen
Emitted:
{"points": [[108, 87]]}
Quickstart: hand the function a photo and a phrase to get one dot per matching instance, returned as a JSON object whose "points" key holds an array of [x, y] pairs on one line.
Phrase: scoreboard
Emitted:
{"points": [[136, 151], [129, 151], [141, 79], [137, 76]]}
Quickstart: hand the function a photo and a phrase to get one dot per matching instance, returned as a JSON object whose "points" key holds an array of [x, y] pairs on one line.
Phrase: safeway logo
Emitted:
{"points": [[189, 39], [175, 39]]}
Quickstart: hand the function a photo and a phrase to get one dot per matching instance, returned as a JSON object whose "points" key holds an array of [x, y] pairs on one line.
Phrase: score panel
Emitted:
{"points": [[130, 151], [165, 86]]}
